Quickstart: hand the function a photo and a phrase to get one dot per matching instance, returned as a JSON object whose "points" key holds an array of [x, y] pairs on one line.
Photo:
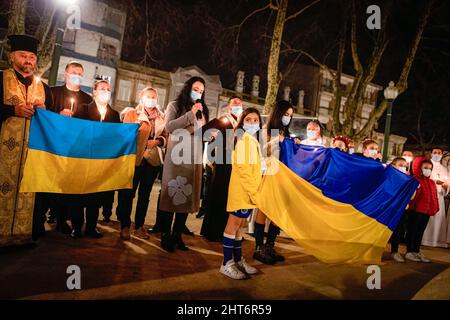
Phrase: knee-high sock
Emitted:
{"points": [[274, 231], [259, 234], [228, 246]]}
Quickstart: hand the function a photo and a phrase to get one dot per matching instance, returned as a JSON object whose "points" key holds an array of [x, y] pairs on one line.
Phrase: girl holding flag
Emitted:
{"points": [[279, 122], [244, 183]]}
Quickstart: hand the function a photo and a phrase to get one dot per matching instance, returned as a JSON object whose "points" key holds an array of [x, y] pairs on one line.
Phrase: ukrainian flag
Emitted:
{"points": [[341, 208], [74, 156]]}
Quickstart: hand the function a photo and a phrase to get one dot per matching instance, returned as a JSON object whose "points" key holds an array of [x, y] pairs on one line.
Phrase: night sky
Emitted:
{"points": [[196, 32], [316, 32]]}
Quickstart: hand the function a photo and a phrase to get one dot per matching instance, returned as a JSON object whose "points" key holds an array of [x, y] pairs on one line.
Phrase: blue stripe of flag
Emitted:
{"points": [[77, 138]]}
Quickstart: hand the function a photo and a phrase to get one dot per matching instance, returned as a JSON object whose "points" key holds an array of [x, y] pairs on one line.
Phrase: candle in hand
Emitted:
{"points": [[72, 100]]}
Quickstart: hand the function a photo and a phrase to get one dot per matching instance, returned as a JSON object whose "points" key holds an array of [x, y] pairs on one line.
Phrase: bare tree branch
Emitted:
{"points": [[296, 14], [239, 26]]}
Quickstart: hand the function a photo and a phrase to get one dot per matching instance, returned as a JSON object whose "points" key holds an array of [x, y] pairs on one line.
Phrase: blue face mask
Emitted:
{"points": [[251, 128], [311, 134], [436, 157], [285, 120], [236, 110], [104, 96], [75, 79], [195, 95]]}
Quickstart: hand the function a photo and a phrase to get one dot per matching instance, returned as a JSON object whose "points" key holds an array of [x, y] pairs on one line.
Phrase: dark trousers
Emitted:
{"points": [[398, 233], [41, 206], [417, 223], [108, 206], [144, 178], [166, 219], [77, 213], [62, 204]]}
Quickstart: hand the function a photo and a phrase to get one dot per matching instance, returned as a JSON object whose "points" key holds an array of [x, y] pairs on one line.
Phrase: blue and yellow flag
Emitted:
{"points": [[341, 208], [69, 155]]}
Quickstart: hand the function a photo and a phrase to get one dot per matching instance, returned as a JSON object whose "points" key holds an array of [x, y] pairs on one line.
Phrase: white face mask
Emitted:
{"points": [[408, 159], [426, 172], [285, 120], [103, 96], [75, 79], [402, 169], [373, 153], [251, 128], [237, 110], [351, 150], [436, 157], [149, 103]]}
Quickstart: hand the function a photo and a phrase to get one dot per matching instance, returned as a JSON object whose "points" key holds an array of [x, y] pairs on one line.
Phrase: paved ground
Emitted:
{"points": [[114, 269]]}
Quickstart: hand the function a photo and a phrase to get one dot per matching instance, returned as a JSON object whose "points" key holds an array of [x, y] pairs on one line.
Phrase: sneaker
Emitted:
{"points": [[271, 251], [411, 256], [422, 258], [397, 257], [262, 254], [141, 233], [125, 234], [231, 271], [244, 266]]}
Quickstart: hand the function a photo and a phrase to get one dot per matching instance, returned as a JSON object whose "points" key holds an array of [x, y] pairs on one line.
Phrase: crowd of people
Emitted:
{"points": [[223, 192]]}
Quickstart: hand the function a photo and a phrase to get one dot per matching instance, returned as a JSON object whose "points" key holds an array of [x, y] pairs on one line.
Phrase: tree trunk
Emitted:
{"points": [[16, 18], [273, 74]]}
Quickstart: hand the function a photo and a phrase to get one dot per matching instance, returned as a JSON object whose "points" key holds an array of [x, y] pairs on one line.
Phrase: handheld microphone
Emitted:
{"points": [[199, 113]]}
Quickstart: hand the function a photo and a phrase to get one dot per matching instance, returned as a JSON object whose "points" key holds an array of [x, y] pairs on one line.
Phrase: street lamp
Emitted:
{"points": [[390, 93], [60, 26]]}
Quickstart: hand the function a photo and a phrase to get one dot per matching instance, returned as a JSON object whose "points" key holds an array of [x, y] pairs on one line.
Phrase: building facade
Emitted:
{"points": [[97, 44]]}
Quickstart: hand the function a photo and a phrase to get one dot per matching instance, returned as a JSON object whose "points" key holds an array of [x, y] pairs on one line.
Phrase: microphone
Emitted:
{"points": [[199, 113]]}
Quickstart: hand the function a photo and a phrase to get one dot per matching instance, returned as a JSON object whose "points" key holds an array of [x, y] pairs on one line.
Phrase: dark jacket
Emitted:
{"points": [[62, 96], [90, 112]]}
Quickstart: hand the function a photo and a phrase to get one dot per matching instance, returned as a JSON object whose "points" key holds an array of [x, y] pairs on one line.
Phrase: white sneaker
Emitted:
{"points": [[231, 271], [422, 258], [397, 257], [244, 266], [411, 256]]}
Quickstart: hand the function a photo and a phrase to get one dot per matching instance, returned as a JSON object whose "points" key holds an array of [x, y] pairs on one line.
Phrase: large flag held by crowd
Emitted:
{"points": [[75, 156], [341, 208]]}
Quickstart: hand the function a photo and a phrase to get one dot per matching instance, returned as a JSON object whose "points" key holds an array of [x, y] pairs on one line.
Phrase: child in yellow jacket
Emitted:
{"points": [[244, 184]]}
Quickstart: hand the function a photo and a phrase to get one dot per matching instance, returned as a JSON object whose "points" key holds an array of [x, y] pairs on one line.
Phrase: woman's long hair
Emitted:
{"points": [[184, 102], [275, 122]]}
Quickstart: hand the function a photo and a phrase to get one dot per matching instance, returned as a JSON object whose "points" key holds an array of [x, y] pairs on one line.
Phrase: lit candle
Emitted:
{"points": [[72, 100]]}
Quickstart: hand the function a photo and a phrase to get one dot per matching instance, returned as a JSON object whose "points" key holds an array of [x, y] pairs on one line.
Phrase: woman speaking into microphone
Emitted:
{"points": [[181, 180]]}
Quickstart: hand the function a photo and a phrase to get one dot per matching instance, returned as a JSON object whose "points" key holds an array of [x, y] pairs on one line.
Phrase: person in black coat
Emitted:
{"points": [[67, 98], [97, 110], [215, 202]]}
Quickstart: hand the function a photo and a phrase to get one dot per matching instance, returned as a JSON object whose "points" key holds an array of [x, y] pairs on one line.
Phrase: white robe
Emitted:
{"points": [[436, 232]]}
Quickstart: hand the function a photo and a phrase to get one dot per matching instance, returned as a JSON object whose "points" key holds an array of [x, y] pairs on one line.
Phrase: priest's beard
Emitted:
{"points": [[25, 68]]}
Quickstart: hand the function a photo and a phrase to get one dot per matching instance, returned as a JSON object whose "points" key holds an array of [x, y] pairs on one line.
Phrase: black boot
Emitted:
{"points": [[155, 229], [187, 231], [63, 227], [271, 251], [261, 254], [179, 242], [167, 242], [76, 233]]}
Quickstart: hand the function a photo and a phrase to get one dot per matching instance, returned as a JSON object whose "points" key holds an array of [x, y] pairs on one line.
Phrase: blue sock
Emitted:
{"points": [[237, 250], [228, 245]]}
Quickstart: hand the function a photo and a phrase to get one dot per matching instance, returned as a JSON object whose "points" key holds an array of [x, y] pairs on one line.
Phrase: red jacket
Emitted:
{"points": [[426, 199]]}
